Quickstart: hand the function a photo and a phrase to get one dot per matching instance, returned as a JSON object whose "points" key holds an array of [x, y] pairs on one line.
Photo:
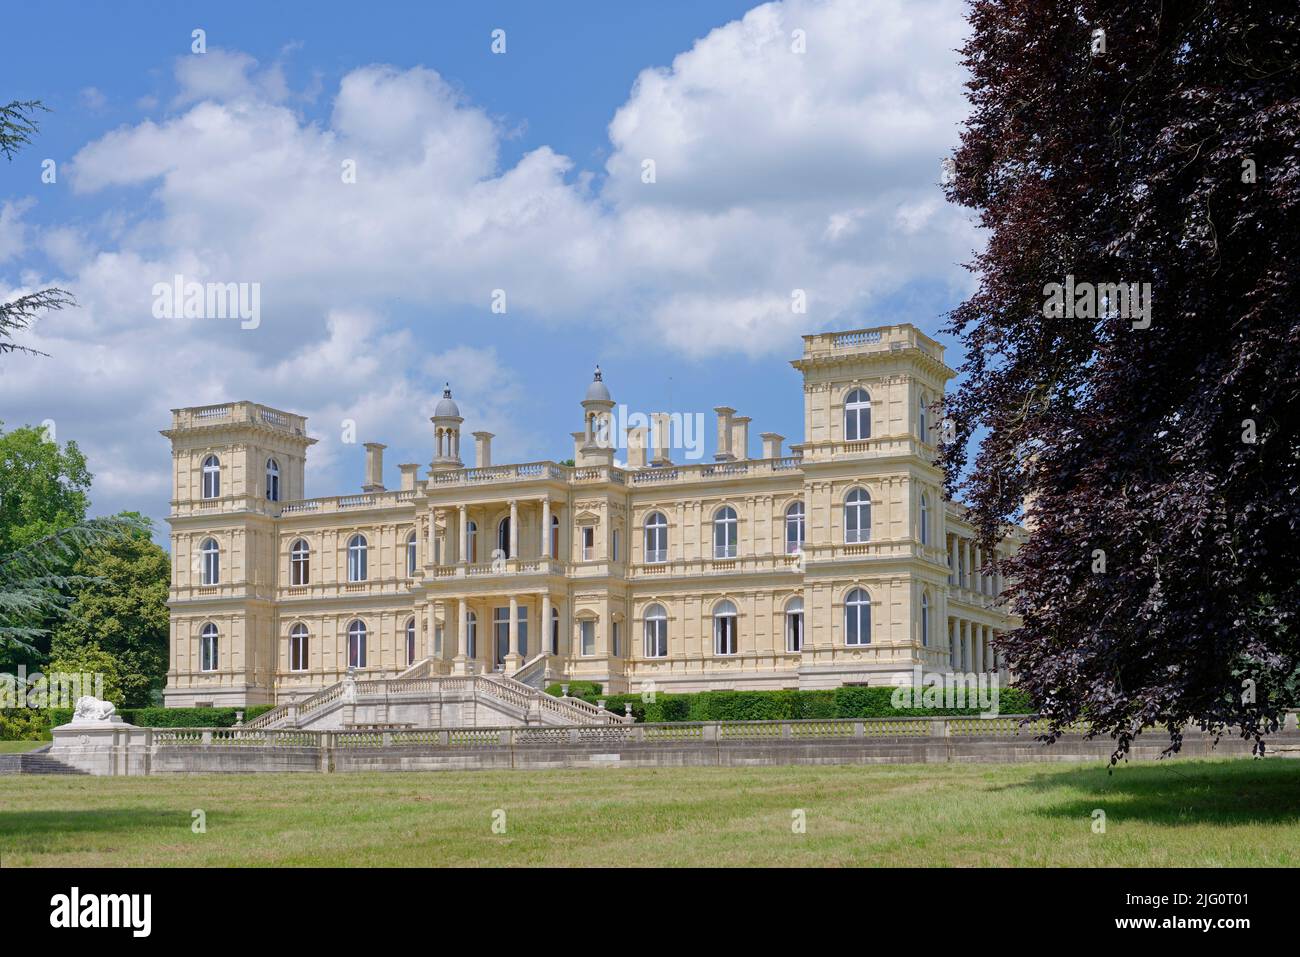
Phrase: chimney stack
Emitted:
{"points": [[410, 475], [772, 445], [740, 437], [482, 449], [638, 441], [374, 467], [724, 434], [659, 421]]}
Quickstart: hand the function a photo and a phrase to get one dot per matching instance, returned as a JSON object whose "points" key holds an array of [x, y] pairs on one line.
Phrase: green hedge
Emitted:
{"points": [[847, 702], [587, 690], [173, 717]]}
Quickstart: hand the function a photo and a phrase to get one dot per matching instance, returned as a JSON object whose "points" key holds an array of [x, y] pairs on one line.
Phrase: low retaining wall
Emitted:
{"points": [[723, 744]]}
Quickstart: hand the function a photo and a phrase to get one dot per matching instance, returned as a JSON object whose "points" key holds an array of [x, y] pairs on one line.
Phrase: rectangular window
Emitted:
{"points": [[437, 641], [587, 630], [614, 546], [588, 543], [615, 627], [208, 649]]}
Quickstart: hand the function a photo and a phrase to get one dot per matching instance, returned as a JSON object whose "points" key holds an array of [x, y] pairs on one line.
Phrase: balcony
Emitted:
{"points": [[239, 413]]}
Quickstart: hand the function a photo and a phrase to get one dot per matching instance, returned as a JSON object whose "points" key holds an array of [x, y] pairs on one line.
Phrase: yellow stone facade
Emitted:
{"points": [[588, 572]]}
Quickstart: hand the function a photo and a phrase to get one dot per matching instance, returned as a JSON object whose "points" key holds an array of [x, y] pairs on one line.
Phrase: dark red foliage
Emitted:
{"points": [[1128, 166]]}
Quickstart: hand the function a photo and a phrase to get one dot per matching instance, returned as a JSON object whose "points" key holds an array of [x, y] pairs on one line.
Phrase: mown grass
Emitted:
{"points": [[17, 747], [1184, 813]]}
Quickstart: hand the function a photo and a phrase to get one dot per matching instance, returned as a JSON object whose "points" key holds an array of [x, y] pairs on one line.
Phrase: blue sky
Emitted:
{"points": [[776, 169]]}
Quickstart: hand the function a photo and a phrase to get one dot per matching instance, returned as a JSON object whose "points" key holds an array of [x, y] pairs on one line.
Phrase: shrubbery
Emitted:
{"points": [[846, 702], [172, 717]]}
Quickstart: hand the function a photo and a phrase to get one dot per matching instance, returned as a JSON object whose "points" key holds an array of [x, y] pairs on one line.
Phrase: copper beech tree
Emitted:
{"points": [[1151, 448]]}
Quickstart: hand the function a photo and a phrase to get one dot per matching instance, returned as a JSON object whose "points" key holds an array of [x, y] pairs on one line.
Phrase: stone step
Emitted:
{"points": [[40, 762]]}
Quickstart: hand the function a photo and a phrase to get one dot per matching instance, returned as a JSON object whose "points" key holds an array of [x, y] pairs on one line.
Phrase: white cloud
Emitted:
{"points": [[776, 171]]}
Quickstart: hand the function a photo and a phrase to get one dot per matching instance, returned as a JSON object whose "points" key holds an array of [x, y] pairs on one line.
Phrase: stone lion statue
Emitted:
{"points": [[92, 709]]}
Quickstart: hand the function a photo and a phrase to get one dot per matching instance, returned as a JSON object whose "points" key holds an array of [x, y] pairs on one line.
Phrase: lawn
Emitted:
{"points": [[1189, 813], [16, 747]]}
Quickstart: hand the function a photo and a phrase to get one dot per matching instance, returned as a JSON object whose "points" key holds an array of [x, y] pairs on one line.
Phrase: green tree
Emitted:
{"points": [[122, 611], [43, 487], [91, 660]]}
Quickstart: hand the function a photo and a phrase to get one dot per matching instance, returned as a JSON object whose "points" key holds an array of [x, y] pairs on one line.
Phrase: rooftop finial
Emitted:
{"points": [[446, 390], [598, 373]]}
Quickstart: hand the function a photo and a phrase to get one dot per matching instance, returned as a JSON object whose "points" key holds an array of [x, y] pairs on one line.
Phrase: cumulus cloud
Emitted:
{"points": [[776, 171]]}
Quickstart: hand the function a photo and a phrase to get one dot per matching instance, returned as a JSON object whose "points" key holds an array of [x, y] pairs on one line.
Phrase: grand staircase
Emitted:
{"points": [[508, 699]]}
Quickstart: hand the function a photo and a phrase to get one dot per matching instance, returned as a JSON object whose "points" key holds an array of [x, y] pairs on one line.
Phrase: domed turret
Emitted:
{"points": [[446, 432], [598, 391]]}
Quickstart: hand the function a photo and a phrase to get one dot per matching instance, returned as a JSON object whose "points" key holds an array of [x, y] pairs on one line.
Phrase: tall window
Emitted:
{"points": [[857, 618], [724, 628], [357, 644], [588, 542], [410, 641], [922, 420], [208, 656], [555, 539], [587, 632], [857, 416], [616, 637], [503, 537], [471, 542], [300, 563], [357, 558], [211, 477], [272, 480], [471, 635], [298, 648], [794, 625], [724, 533], [925, 620], [794, 528], [410, 554], [656, 538], [555, 631], [857, 516], [656, 632], [210, 556], [925, 519]]}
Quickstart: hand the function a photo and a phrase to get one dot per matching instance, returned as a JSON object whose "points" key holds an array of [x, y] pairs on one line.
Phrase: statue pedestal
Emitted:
{"points": [[103, 747]]}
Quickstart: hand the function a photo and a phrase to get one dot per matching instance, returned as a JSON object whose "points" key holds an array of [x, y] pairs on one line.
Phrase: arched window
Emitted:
{"points": [[724, 628], [208, 650], [857, 516], [503, 537], [272, 480], [794, 625], [357, 644], [925, 519], [555, 539], [857, 618], [925, 620], [724, 533], [300, 563], [211, 477], [210, 555], [357, 550], [857, 416], [298, 648], [922, 420], [656, 538], [555, 631], [471, 635], [410, 555], [794, 528], [656, 632], [471, 542], [410, 641]]}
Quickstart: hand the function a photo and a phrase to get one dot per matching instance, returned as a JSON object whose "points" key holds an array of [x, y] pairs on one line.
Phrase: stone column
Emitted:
{"points": [[965, 646], [952, 560], [513, 658], [459, 645], [954, 651], [463, 554], [546, 528], [979, 648], [514, 531], [544, 633]]}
